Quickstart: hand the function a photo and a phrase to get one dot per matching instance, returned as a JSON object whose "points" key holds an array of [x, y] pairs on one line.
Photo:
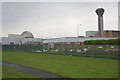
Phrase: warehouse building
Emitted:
{"points": [[72, 40]]}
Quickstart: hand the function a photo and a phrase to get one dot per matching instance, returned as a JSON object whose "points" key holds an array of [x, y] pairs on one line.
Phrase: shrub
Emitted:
{"points": [[103, 42]]}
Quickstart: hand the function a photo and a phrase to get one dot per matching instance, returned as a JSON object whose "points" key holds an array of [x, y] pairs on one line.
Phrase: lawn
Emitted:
{"points": [[0, 71], [12, 73], [0, 65], [68, 66]]}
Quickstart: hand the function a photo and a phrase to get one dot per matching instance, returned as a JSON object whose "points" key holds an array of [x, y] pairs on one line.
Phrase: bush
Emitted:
{"points": [[103, 42]]}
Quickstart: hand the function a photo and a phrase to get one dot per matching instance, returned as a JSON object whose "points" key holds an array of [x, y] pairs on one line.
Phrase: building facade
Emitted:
{"points": [[106, 34], [25, 38], [71, 40], [91, 33], [111, 33]]}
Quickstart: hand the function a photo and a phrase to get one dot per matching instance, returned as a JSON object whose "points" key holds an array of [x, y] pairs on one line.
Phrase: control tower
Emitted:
{"points": [[100, 12]]}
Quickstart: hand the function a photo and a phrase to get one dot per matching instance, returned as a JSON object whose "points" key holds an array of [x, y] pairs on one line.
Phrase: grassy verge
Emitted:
{"points": [[69, 66], [12, 73]]}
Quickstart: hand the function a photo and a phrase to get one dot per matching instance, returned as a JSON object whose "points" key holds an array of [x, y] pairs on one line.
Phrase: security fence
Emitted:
{"points": [[99, 51], [26, 47]]}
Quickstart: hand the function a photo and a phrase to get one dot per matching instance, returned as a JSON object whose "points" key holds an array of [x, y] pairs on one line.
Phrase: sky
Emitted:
{"points": [[56, 19]]}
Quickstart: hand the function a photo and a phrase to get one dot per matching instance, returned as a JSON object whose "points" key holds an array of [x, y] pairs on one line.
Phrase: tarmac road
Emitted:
{"points": [[32, 71]]}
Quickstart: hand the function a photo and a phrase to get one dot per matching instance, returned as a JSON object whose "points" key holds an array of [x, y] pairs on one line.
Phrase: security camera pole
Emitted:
{"points": [[100, 12]]}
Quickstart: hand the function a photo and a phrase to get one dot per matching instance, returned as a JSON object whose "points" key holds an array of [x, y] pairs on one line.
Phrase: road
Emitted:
{"points": [[32, 71]]}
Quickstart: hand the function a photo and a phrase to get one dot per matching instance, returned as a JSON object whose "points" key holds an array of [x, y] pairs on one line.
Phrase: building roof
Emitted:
{"points": [[27, 34]]}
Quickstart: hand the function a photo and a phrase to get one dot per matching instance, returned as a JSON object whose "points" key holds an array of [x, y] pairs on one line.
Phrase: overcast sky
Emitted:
{"points": [[56, 19]]}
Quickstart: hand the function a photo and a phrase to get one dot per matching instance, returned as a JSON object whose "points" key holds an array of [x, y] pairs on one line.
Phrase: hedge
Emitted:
{"points": [[103, 42]]}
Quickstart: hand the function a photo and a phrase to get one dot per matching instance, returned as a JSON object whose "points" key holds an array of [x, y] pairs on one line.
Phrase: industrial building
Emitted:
{"points": [[106, 34], [25, 34], [72, 40], [25, 38], [101, 32], [111, 33], [90, 35], [28, 38]]}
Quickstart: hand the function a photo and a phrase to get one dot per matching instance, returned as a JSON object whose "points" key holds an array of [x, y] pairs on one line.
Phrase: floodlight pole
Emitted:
{"points": [[78, 31]]}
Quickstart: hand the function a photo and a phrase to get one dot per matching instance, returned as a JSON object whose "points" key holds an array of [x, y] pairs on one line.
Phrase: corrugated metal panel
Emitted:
{"points": [[8, 40], [73, 39]]}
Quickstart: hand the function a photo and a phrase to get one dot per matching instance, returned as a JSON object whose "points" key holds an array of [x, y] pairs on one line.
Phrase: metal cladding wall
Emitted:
{"points": [[59, 40], [8, 40], [72, 39]]}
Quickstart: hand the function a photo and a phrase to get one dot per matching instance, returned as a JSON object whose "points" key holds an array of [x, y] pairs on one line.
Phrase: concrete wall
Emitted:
{"points": [[91, 33], [14, 36]]}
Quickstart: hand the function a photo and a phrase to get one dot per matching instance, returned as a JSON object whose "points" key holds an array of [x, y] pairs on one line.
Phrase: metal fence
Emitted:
{"points": [[26, 47], [99, 51]]}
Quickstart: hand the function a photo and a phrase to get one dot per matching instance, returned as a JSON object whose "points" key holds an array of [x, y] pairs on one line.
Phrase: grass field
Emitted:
{"points": [[69, 66], [0, 71], [12, 73], [0, 60]]}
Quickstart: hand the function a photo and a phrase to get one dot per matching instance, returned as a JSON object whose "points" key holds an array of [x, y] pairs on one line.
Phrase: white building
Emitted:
{"points": [[25, 38], [14, 36], [25, 34]]}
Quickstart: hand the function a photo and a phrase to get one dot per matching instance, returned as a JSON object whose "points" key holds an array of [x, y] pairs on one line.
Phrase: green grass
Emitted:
{"points": [[0, 71], [0, 65], [69, 66], [8, 72]]}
